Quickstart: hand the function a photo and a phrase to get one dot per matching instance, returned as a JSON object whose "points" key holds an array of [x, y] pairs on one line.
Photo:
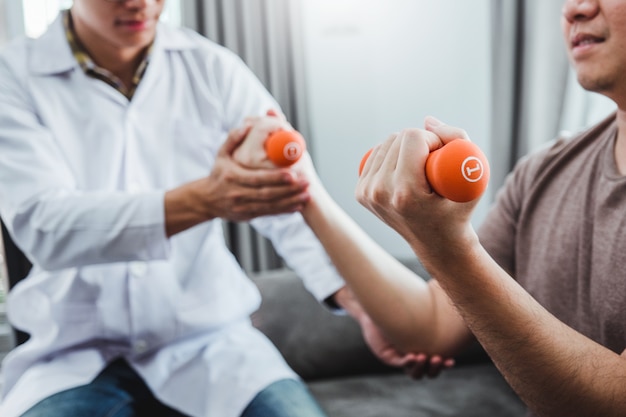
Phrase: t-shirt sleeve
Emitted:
{"points": [[498, 232]]}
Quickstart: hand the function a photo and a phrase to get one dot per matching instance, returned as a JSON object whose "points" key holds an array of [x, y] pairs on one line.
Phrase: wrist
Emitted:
{"points": [[184, 207], [346, 300], [440, 247]]}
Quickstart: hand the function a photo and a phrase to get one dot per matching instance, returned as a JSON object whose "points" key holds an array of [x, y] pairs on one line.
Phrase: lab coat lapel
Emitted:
{"points": [[51, 54], [167, 40]]}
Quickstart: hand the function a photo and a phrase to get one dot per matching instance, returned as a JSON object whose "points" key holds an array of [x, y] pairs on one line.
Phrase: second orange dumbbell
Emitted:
{"points": [[458, 171], [285, 147]]}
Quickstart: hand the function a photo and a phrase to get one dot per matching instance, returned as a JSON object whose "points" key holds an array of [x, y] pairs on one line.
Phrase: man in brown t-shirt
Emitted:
{"points": [[542, 285]]}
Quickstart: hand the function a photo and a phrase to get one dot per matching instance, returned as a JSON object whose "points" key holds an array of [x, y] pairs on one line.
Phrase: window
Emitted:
{"points": [[38, 14]]}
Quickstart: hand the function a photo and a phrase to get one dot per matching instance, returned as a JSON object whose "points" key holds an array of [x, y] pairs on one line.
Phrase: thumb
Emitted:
{"points": [[397, 359], [234, 139], [445, 132], [276, 113]]}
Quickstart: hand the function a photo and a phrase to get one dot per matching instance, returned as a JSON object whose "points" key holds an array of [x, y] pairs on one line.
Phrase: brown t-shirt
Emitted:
{"points": [[559, 228]]}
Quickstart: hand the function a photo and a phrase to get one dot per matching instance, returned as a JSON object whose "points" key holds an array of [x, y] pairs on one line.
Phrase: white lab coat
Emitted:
{"points": [[83, 173]]}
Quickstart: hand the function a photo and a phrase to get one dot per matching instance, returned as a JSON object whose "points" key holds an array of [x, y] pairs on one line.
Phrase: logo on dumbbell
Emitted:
{"points": [[472, 169], [292, 151]]}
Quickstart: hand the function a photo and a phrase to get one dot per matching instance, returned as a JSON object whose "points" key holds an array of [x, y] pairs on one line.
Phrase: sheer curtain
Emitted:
{"points": [[262, 33], [536, 96]]}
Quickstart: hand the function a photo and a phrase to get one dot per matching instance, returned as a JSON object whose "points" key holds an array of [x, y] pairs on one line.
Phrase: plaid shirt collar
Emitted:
{"points": [[92, 70]]}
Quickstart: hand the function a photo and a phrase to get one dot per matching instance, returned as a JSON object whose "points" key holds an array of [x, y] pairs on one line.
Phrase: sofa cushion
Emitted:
{"points": [[471, 390], [314, 341]]}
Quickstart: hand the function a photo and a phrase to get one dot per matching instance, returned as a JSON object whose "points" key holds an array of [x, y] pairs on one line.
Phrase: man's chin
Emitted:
{"points": [[595, 84]]}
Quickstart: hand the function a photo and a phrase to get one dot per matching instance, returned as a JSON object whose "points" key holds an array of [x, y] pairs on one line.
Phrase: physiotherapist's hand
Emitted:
{"points": [[251, 152], [239, 193], [233, 192]]}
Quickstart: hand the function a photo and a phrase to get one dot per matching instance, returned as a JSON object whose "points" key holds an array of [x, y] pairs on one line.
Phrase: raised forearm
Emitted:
{"points": [[554, 369]]}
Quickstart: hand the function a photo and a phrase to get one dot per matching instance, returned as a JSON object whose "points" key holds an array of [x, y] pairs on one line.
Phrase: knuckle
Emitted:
{"points": [[401, 199]]}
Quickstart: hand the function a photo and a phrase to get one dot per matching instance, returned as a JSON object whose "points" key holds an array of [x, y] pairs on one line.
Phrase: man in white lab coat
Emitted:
{"points": [[114, 175]]}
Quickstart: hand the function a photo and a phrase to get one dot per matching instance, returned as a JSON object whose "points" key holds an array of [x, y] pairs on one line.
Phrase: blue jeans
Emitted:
{"points": [[119, 392], [284, 398]]}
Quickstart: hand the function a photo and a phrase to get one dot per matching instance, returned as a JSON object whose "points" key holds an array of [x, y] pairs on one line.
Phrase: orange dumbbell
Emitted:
{"points": [[285, 147], [458, 171]]}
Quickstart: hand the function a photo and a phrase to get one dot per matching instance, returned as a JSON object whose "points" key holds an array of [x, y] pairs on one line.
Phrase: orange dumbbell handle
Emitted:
{"points": [[285, 147], [458, 171]]}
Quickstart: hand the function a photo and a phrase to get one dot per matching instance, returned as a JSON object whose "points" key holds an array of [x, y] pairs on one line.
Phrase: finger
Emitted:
{"points": [[430, 367], [417, 368], [392, 154], [392, 357], [276, 113], [234, 139], [250, 120], [263, 177], [253, 211], [416, 145], [445, 132], [275, 195], [434, 366], [282, 195], [248, 208], [378, 155]]}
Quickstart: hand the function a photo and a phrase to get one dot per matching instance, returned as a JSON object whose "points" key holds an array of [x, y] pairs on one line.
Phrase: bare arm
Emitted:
{"points": [[416, 316], [554, 369]]}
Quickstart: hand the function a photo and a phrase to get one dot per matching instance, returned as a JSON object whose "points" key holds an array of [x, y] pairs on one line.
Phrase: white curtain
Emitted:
{"points": [[530, 77], [264, 33]]}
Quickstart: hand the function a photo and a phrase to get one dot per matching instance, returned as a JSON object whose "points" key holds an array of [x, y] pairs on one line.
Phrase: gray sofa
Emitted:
{"points": [[328, 352]]}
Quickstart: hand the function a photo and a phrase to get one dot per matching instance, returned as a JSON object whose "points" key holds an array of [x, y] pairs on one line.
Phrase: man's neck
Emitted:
{"points": [[121, 61]]}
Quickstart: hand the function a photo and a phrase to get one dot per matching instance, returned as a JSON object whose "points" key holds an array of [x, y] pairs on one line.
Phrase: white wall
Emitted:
{"points": [[4, 36], [373, 67]]}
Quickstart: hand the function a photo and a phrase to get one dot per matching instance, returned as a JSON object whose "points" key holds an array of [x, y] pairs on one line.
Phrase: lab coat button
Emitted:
{"points": [[138, 269], [140, 346]]}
